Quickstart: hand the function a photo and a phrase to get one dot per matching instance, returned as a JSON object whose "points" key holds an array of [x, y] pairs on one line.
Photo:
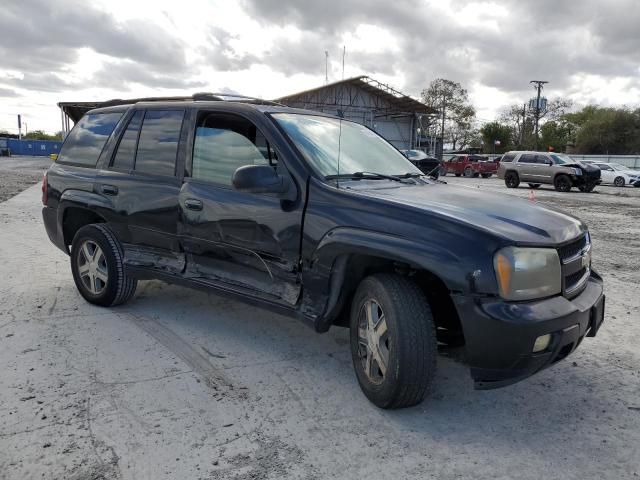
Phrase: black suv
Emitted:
{"points": [[320, 218]]}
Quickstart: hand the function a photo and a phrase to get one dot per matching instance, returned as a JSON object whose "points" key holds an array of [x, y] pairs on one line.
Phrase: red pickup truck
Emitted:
{"points": [[470, 165]]}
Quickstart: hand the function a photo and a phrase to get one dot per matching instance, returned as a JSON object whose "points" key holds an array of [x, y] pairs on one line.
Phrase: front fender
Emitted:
{"points": [[328, 264]]}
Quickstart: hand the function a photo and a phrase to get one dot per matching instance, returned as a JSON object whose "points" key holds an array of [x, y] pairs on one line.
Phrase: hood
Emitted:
{"points": [[516, 219]]}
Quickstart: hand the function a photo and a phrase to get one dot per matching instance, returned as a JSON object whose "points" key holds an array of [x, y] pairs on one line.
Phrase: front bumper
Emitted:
{"points": [[499, 335]]}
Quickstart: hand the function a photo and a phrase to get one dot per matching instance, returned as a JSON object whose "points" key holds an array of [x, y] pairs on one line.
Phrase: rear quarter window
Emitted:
{"points": [[508, 157], [86, 140]]}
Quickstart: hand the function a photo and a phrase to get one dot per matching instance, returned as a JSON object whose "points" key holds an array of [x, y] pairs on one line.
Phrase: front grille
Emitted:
{"points": [[573, 249], [576, 265]]}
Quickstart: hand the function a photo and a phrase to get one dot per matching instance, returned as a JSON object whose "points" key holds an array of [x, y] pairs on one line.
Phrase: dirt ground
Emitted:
{"points": [[18, 173], [181, 384]]}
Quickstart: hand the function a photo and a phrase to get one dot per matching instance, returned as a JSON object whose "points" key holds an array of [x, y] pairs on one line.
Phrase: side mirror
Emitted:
{"points": [[260, 179]]}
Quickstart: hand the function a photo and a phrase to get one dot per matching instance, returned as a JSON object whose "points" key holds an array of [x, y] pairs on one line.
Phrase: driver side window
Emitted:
{"points": [[225, 142]]}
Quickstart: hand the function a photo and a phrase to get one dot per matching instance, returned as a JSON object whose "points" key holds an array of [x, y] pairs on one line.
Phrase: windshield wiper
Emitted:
{"points": [[367, 176]]}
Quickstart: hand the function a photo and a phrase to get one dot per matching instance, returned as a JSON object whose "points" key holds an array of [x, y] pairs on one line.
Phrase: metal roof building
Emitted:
{"points": [[392, 114]]}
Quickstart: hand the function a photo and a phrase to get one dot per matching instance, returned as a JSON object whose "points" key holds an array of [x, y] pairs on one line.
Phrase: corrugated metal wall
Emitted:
{"points": [[33, 147]]}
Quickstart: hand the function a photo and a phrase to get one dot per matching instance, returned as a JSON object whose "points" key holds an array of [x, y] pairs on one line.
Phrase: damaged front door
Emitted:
{"points": [[247, 242]]}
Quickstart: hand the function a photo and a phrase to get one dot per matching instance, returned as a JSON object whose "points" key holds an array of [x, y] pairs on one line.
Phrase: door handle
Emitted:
{"points": [[193, 204], [109, 189]]}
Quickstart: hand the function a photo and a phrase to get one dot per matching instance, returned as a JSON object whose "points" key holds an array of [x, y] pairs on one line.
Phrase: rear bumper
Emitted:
{"points": [[500, 335], [50, 220]]}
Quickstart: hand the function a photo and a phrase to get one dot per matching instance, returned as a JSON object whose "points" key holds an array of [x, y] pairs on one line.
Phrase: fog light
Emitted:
{"points": [[541, 343]]}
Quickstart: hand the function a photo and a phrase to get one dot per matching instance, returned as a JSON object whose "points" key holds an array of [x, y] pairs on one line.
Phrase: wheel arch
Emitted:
{"points": [[350, 255], [75, 210]]}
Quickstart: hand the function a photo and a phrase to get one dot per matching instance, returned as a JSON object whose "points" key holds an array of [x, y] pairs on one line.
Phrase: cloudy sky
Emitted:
{"points": [[61, 50]]}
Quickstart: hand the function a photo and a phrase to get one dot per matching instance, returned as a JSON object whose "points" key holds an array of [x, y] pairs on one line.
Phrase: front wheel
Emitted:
{"points": [[97, 265], [562, 183], [511, 180], [619, 182], [587, 188], [393, 341], [468, 172]]}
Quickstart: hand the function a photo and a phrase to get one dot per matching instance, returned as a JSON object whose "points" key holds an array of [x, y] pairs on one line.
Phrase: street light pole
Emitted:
{"points": [[539, 84]]}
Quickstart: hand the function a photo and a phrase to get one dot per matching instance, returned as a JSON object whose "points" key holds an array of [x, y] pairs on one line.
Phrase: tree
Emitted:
{"points": [[496, 131], [606, 130], [522, 120], [40, 135], [456, 114], [555, 134]]}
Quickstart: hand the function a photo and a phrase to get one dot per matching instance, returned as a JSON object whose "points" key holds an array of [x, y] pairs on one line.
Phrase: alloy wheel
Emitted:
{"points": [[92, 267], [374, 341]]}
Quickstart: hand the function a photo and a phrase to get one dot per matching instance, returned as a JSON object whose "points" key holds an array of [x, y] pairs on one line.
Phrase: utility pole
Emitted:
{"points": [[444, 109], [539, 85], [326, 66], [524, 121]]}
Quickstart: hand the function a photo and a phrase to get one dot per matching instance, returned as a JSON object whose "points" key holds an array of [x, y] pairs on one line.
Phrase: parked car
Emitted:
{"points": [[247, 199], [617, 174], [557, 169], [427, 164], [471, 165]]}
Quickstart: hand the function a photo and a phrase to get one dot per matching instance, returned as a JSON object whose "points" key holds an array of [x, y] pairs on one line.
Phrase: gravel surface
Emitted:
{"points": [[181, 384], [18, 173]]}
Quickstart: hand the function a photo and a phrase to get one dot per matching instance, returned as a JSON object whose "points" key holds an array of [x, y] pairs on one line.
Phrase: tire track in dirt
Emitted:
{"points": [[213, 377]]}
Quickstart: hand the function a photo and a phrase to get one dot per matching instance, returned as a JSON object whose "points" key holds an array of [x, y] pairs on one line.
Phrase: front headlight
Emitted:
{"points": [[527, 273]]}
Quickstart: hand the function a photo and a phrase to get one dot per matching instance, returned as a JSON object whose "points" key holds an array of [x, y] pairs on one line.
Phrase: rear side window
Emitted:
{"points": [[158, 142], [527, 159], [84, 143], [507, 157], [126, 152]]}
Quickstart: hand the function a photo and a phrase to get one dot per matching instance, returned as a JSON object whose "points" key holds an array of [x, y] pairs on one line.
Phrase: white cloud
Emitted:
{"points": [[268, 48]]}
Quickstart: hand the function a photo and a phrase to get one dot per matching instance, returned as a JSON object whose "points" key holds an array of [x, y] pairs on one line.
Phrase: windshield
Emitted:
{"points": [[361, 150], [617, 166], [560, 159]]}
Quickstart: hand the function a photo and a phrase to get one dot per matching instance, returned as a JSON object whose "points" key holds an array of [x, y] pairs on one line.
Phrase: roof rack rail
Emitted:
{"points": [[233, 97]]}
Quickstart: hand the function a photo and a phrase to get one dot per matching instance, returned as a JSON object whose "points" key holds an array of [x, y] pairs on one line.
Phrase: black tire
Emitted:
{"points": [[411, 341], [562, 183], [535, 186], [118, 288], [468, 172], [587, 188], [511, 179], [619, 182]]}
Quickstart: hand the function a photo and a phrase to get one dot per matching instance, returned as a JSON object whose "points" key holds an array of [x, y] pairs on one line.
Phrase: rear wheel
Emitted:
{"points": [[534, 185], [619, 182], [393, 341], [468, 172], [98, 268], [562, 183], [511, 180]]}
